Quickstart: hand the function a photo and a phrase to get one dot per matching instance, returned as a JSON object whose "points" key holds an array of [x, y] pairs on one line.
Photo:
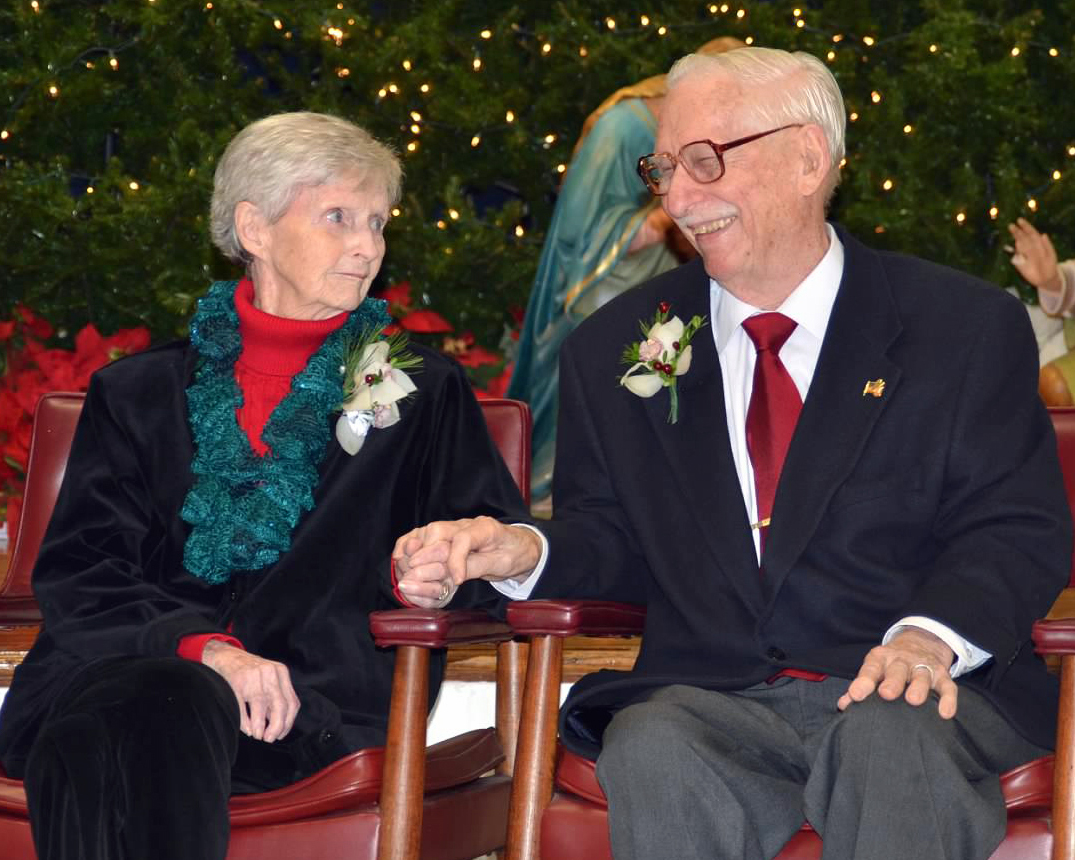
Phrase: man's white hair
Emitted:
{"points": [[271, 160], [808, 92]]}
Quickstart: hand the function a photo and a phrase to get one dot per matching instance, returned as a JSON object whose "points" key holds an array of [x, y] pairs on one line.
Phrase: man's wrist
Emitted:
{"points": [[520, 589], [533, 557]]}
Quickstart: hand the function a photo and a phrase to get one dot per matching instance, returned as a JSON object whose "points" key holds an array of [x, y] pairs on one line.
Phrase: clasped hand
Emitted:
{"points": [[432, 561]]}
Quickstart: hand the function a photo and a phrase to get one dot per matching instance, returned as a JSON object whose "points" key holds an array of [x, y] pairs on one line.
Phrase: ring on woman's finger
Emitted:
{"points": [[928, 668], [445, 590]]}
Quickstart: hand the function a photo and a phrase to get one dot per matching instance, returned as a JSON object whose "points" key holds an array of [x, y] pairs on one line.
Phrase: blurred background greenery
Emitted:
{"points": [[112, 115]]}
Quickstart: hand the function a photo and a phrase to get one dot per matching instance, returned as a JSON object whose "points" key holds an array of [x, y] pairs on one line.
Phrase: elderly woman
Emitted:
{"points": [[228, 515]]}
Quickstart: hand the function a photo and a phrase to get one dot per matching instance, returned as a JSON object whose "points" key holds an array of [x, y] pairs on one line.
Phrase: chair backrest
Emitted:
{"points": [[509, 425], [54, 426], [50, 442], [1064, 424]]}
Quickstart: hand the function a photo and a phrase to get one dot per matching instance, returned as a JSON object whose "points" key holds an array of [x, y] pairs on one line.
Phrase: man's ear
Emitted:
{"points": [[815, 158], [250, 229]]}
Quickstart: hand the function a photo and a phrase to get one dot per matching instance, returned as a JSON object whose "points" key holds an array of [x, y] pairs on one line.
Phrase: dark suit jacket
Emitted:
{"points": [[942, 497], [110, 579]]}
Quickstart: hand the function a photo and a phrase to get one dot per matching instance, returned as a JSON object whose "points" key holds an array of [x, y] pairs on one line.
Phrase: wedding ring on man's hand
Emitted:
{"points": [[445, 590], [928, 668]]}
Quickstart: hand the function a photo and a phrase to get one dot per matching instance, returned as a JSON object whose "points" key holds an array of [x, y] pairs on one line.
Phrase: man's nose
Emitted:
{"points": [[680, 194]]}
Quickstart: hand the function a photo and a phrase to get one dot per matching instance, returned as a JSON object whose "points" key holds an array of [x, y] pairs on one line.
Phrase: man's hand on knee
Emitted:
{"points": [[913, 663]]}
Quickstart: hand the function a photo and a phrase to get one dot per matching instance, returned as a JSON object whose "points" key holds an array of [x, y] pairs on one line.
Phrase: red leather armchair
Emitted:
{"points": [[402, 801], [558, 809]]}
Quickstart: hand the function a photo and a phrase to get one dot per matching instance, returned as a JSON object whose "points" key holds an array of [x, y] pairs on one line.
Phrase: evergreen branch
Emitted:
{"points": [[88, 52]]}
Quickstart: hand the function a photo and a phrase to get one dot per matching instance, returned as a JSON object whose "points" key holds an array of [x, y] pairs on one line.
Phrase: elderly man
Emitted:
{"points": [[829, 477]]}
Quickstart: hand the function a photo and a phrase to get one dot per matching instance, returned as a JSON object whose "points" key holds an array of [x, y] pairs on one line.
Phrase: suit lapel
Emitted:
{"points": [[838, 414], [698, 450]]}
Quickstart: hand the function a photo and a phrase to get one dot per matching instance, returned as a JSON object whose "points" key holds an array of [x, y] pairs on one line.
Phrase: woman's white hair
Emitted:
{"points": [[272, 159], [809, 93]]}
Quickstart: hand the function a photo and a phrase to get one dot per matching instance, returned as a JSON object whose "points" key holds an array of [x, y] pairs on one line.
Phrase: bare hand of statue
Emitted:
{"points": [[268, 704], [1034, 256]]}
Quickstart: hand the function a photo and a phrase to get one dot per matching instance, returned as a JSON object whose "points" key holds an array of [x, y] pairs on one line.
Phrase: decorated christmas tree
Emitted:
{"points": [[114, 113]]}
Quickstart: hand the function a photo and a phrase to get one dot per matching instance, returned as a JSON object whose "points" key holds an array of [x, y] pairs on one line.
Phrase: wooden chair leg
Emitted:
{"points": [[535, 755], [510, 674], [1064, 766], [403, 781]]}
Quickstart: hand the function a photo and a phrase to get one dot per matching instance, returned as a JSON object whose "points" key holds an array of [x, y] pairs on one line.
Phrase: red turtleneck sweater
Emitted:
{"points": [[274, 350]]}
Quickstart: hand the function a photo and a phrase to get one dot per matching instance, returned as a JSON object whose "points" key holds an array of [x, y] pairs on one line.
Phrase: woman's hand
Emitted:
{"points": [[267, 701], [1034, 256]]}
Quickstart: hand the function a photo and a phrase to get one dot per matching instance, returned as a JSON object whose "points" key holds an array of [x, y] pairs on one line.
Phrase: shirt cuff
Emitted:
{"points": [[968, 656], [515, 590]]}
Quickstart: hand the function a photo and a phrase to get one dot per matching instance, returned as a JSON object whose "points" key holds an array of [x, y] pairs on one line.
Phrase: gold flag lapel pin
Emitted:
{"points": [[876, 387]]}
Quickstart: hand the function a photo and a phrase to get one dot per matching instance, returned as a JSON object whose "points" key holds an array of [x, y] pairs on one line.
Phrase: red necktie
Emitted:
{"points": [[774, 408]]}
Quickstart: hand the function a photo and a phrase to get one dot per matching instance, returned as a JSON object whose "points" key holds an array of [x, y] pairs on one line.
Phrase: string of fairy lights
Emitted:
{"points": [[414, 120], [799, 22]]}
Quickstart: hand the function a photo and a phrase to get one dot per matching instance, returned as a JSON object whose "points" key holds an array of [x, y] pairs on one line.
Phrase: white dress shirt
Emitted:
{"points": [[810, 305]]}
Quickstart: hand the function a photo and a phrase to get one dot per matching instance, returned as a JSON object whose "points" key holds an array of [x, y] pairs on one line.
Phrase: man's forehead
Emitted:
{"points": [[701, 106]]}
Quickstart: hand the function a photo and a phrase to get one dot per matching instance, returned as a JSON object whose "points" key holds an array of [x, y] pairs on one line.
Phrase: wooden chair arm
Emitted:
{"points": [[548, 623], [1054, 636], [435, 628], [414, 632], [1064, 765], [563, 618]]}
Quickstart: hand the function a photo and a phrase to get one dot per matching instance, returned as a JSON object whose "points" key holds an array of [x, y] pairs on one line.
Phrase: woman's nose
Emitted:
{"points": [[365, 243]]}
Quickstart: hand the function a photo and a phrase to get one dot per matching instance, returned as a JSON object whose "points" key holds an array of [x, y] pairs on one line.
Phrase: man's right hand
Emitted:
{"points": [[268, 704]]}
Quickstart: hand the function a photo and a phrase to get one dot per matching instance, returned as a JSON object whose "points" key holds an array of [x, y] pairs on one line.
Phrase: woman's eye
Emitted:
{"points": [[335, 216], [377, 223]]}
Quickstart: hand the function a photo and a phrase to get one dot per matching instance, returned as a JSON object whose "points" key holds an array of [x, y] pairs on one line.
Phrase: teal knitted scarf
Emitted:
{"points": [[242, 507]]}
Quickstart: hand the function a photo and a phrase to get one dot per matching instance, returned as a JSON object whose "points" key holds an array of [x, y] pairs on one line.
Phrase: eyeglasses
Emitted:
{"points": [[702, 159]]}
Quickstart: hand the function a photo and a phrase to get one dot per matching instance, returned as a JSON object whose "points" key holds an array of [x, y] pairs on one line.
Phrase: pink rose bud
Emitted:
{"points": [[650, 349]]}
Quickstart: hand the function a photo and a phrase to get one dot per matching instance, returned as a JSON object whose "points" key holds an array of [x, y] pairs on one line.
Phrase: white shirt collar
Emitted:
{"points": [[810, 303]]}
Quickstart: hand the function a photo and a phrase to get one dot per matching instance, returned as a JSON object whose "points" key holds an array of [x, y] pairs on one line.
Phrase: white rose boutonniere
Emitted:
{"points": [[375, 382], [663, 354]]}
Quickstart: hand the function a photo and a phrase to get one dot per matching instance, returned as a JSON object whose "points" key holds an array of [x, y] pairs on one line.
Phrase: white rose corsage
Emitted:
{"points": [[663, 354], [374, 383]]}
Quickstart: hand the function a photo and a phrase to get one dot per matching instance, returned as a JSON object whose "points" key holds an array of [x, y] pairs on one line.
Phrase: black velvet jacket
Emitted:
{"points": [[110, 578], [941, 497]]}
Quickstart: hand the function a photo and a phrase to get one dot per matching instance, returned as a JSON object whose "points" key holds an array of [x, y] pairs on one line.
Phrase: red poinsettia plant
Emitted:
{"points": [[489, 371], [30, 368]]}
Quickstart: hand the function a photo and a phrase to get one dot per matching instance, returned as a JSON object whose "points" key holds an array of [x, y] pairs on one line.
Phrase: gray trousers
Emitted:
{"points": [[692, 773]]}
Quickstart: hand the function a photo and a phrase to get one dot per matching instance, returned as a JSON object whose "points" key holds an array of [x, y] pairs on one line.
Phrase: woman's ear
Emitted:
{"points": [[250, 229], [816, 160]]}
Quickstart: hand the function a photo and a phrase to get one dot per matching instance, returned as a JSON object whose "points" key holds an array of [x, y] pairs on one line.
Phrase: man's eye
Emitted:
{"points": [[335, 216], [377, 223]]}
